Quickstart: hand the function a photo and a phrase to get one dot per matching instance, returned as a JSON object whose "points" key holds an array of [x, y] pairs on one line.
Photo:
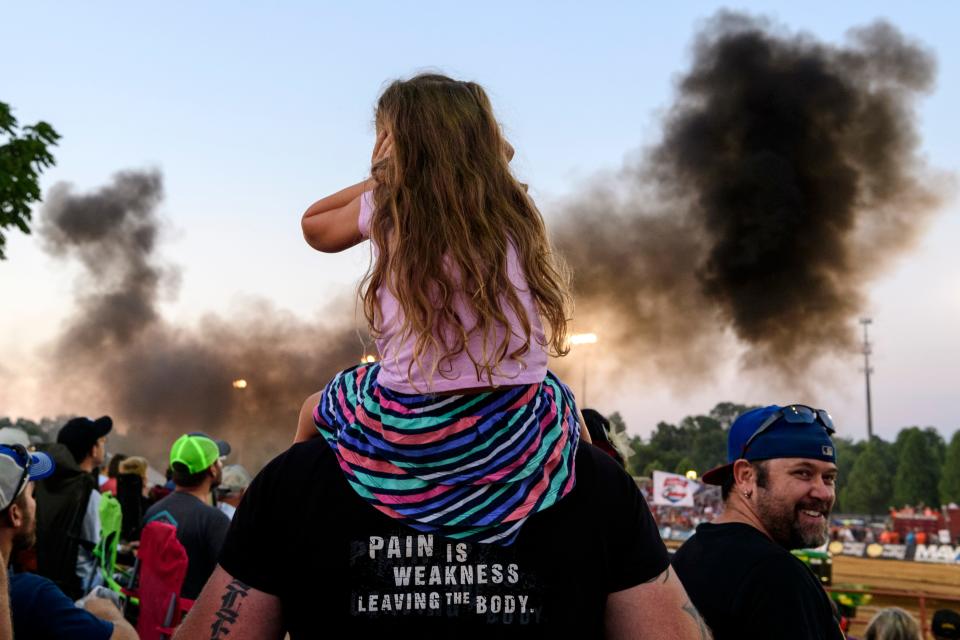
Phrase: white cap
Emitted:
{"points": [[13, 435], [12, 464], [235, 479]]}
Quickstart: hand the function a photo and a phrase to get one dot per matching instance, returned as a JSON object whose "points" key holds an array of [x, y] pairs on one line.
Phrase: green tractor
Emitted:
{"points": [[821, 564]]}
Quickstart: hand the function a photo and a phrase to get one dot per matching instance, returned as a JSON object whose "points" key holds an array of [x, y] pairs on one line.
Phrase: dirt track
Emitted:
{"points": [[939, 579], [933, 580]]}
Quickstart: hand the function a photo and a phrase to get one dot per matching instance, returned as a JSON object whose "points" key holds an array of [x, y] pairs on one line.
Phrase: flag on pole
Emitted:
{"points": [[673, 490]]}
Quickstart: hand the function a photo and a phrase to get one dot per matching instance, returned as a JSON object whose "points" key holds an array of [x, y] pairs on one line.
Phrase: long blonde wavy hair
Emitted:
{"points": [[446, 206]]}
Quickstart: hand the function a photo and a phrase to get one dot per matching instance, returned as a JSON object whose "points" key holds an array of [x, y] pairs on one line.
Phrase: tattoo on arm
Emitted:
{"points": [[691, 611], [229, 610], [662, 578]]}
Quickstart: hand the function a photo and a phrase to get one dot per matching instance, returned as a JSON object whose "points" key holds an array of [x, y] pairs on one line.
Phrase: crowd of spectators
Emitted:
{"points": [[908, 526], [62, 583], [59, 583]]}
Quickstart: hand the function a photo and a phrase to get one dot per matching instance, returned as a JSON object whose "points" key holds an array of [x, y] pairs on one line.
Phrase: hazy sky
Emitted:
{"points": [[253, 111]]}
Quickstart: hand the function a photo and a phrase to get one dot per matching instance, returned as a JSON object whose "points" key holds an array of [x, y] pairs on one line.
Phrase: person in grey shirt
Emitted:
{"points": [[201, 528]]}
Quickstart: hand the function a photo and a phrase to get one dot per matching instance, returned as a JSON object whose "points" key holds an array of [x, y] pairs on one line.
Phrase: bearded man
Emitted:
{"points": [[778, 489], [37, 607]]}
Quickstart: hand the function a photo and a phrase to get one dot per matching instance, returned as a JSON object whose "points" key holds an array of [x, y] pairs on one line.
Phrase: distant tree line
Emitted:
{"points": [[918, 468], [43, 431]]}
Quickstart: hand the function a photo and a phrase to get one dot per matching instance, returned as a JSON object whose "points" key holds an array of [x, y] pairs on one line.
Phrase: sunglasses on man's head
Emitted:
{"points": [[793, 414], [23, 458]]}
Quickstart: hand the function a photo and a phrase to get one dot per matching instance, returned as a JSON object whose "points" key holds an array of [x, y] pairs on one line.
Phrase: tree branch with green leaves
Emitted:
{"points": [[24, 154]]}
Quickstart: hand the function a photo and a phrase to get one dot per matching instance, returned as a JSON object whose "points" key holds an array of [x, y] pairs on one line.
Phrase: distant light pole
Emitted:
{"points": [[242, 386], [578, 339], [867, 370]]}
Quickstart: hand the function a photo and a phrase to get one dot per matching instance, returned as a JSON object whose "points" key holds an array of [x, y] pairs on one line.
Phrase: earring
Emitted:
{"points": [[747, 494]]}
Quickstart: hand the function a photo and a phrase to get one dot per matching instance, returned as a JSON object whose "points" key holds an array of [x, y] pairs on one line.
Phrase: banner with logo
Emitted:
{"points": [[937, 553], [673, 490]]}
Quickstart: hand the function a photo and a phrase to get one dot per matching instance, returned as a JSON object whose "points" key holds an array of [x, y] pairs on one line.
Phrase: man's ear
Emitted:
{"points": [[744, 475], [15, 515]]}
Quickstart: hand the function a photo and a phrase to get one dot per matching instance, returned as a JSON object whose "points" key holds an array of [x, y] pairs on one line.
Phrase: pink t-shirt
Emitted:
{"points": [[460, 373]]}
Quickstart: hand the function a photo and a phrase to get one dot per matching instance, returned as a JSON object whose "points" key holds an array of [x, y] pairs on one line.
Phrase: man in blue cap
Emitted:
{"points": [[39, 608], [778, 488]]}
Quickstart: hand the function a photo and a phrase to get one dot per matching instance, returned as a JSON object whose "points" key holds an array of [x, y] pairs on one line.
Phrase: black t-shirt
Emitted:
{"points": [[302, 534], [747, 586], [200, 529]]}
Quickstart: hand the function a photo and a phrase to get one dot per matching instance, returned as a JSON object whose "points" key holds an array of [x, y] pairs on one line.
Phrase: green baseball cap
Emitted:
{"points": [[197, 453]]}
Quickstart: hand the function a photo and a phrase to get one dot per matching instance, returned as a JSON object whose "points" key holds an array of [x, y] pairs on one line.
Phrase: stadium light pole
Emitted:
{"points": [[867, 370], [242, 440], [578, 339]]}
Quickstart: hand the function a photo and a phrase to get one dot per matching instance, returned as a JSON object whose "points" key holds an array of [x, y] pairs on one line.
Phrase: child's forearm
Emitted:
{"points": [[332, 224], [339, 199]]}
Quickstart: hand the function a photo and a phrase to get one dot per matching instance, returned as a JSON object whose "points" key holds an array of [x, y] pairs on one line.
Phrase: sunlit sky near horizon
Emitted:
{"points": [[251, 112]]}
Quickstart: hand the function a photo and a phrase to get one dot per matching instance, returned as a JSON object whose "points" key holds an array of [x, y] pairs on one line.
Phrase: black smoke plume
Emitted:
{"points": [[118, 355], [787, 177]]}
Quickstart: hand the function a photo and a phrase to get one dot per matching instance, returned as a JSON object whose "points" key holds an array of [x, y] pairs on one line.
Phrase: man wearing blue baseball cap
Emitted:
{"points": [[778, 488], [39, 608]]}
